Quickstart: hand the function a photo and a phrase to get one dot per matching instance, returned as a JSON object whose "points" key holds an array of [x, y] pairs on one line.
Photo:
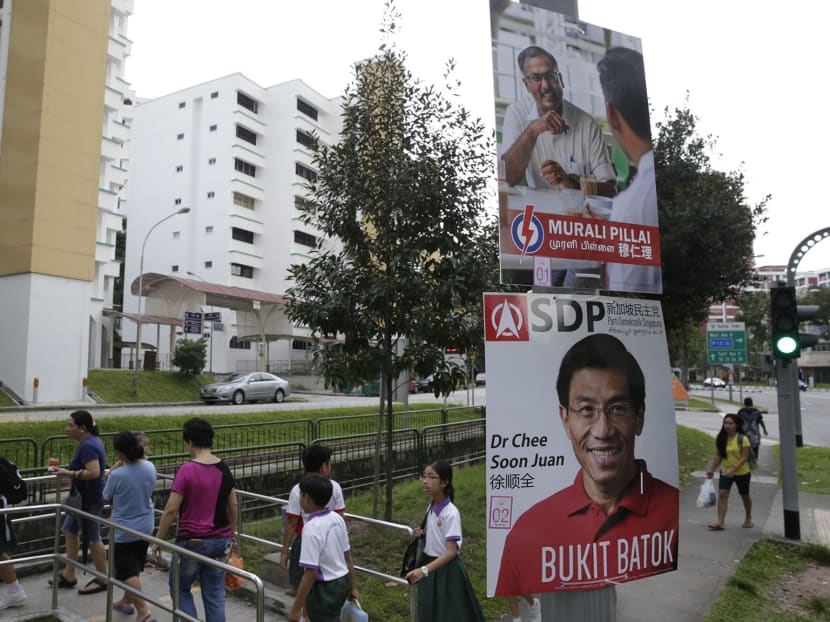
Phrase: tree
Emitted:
{"points": [[399, 199], [189, 356], [707, 227]]}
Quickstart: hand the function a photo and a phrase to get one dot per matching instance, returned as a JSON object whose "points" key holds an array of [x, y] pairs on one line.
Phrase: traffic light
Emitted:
{"points": [[806, 312], [784, 323]]}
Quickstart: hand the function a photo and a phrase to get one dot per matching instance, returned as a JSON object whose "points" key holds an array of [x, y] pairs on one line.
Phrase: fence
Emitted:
{"points": [[166, 443]]}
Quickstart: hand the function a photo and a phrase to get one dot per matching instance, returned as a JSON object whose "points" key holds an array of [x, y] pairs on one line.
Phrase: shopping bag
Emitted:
{"points": [[707, 497], [234, 581], [351, 612]]}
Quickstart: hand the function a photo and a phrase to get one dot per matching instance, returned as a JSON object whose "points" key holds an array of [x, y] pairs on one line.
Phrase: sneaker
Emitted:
{"points": [[12, 600], [535, 611]]}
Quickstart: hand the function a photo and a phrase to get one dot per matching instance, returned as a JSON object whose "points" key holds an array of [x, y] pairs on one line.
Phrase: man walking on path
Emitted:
{"points": [[753, 423]]}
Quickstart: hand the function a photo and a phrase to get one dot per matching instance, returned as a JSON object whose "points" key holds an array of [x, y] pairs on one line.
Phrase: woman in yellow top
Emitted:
{"points": [[733, 450]]}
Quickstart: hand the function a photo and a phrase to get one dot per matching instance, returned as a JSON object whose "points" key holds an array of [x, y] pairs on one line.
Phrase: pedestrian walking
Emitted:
{"points": [[733, 452]]}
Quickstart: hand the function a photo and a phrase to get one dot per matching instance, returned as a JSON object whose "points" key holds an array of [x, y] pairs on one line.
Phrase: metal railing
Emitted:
{"points": [[56, 509]]}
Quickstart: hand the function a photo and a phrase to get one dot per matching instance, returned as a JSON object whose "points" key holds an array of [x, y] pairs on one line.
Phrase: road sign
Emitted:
{"points": [[213, 316], [726, 342], [193, 322]]}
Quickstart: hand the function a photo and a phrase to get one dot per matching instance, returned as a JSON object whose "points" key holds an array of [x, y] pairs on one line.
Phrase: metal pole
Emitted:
{"points": [[786, 433], [183, 210]]}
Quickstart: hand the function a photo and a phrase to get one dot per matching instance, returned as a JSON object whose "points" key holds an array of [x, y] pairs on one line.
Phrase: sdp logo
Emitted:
{"points": [[505, 317]]}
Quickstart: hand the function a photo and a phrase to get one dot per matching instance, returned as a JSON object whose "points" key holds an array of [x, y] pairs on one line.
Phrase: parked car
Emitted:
{"points": [[714, 382], [481, 378], [246, 387], [424, 385]]}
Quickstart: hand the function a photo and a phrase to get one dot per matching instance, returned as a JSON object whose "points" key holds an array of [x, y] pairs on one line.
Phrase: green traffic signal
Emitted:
{"points": [[784, 322]]}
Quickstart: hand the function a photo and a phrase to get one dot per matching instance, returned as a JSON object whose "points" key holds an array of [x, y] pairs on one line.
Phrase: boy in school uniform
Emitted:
{"points": [[316, 461], [328, 572]]}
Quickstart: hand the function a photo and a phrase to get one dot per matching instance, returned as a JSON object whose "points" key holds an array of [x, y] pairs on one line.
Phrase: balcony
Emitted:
{"points": [[110, 148], [114, 175], [113, 98], [249, 153], [119, 130], [243, 218], [104, 252], [244, 254], [247, 185], [108, 200]]}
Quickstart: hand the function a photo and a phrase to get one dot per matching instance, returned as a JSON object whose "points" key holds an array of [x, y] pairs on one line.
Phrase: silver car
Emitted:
{"points": [[246, 387]]}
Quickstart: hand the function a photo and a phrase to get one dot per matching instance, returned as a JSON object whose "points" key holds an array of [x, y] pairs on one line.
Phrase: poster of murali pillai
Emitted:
{"points": [[577, 194], [582, 478]]}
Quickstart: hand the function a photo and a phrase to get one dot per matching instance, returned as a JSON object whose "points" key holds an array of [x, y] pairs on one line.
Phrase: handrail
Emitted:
{"points": [[174, 549]]}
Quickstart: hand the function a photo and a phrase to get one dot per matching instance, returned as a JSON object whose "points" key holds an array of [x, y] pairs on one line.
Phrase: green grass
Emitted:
{"points": [[694, 450], [695, 402], [115, 386], [746, 593], [811, 465], [5, 400]]}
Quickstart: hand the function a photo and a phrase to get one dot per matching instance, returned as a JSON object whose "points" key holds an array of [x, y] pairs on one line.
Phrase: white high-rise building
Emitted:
{"points": [[238, 155], [118, 105]]}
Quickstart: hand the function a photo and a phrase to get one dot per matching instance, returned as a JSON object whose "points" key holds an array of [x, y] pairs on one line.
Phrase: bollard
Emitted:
{"points": [[35, 385], [84, 388]]}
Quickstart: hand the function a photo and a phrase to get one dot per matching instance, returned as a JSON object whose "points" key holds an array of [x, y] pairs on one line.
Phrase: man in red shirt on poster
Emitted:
{"points": [[616, 522]]}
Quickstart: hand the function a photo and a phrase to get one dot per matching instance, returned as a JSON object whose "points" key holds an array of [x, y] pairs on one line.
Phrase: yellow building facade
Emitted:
{"points": [[53, 56]]}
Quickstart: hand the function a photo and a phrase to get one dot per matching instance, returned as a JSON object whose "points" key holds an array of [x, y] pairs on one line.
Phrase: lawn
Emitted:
{"points": [[812, 471], [757, 587], [115, 386]]}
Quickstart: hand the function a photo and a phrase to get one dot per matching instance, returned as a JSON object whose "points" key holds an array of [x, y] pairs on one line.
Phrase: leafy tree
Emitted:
{"points": [[707, 227], [755, 314], [189, 356], [399, 198]]}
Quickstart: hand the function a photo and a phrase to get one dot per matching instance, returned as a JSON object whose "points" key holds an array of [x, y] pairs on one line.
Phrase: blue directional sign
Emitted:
{"points": [[213, 316], [193, 322], [726, 342]]}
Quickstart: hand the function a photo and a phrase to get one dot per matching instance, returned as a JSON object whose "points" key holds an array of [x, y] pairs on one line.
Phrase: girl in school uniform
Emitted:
{"points": [[444, 590]]}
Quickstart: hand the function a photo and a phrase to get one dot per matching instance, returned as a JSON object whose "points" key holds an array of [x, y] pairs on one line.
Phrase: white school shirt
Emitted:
{"points": [[443, 525], [325, 545], [294, 510]]}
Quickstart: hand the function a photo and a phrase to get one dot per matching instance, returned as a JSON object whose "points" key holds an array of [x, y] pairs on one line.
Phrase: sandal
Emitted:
{"points": [[122, 607], [100, 586], [715, 527], [65, 583], [748, 525]]}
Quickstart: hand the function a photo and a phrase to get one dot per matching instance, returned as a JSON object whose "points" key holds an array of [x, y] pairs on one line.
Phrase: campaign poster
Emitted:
{"points": [[577, 194], [582, 477]]}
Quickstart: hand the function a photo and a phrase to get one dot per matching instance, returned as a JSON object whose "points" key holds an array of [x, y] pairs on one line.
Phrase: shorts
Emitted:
{"points": [[130, 558], [92, 529], [7, 541], [741, 481]]}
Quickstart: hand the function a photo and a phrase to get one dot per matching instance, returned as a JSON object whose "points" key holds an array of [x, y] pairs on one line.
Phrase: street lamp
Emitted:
{"points": [[183, 210]]}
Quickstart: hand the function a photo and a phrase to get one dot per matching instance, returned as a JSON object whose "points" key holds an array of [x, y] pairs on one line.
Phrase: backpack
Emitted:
{"points": [[12, 485]]}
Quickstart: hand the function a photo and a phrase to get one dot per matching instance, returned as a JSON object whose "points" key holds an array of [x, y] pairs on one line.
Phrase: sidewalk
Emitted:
{"points": [[707, 559]]}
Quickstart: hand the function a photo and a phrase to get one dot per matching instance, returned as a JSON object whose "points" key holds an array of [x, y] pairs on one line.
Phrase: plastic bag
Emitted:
{"points": [[234, 581], [351, 612], [707, 496]]}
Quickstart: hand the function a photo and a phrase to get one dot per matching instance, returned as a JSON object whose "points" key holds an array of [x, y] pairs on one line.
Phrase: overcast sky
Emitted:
{"points": [[754, 73]]}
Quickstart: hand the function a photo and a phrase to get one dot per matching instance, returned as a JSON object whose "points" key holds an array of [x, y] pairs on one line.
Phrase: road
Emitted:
{"points": [[815, 413], [297, 401]]}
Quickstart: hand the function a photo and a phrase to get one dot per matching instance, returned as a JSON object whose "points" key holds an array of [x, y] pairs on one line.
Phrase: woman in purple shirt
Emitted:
{"points": [[203, 496]]}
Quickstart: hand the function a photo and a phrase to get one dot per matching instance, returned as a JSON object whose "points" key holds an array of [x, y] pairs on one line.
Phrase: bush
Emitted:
{"points": [[189, 356]]}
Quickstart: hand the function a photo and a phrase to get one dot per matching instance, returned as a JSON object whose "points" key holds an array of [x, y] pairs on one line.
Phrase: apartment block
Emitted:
{"points": [[238, 155]]}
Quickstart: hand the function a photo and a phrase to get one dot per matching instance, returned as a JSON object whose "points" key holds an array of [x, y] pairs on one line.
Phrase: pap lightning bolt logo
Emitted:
{"points": [[527, 232]]}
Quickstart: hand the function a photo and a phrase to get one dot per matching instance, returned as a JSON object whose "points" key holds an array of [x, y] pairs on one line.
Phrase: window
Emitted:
{"points": [[213, 127], [238, 269], [307, 140], [307, 109], [174, 268], [179, 168], [209, 229], [177, 235], [298, 344], [179, 136], [181, 104], [235, 344], [211, 161], [306, 239], [246, 135], [243, 200], [305, 172], [243, 235], [246, 102], [208, 264], [177, 202], [211, 194], [244, 167], [303, 204], [214, 95]]}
